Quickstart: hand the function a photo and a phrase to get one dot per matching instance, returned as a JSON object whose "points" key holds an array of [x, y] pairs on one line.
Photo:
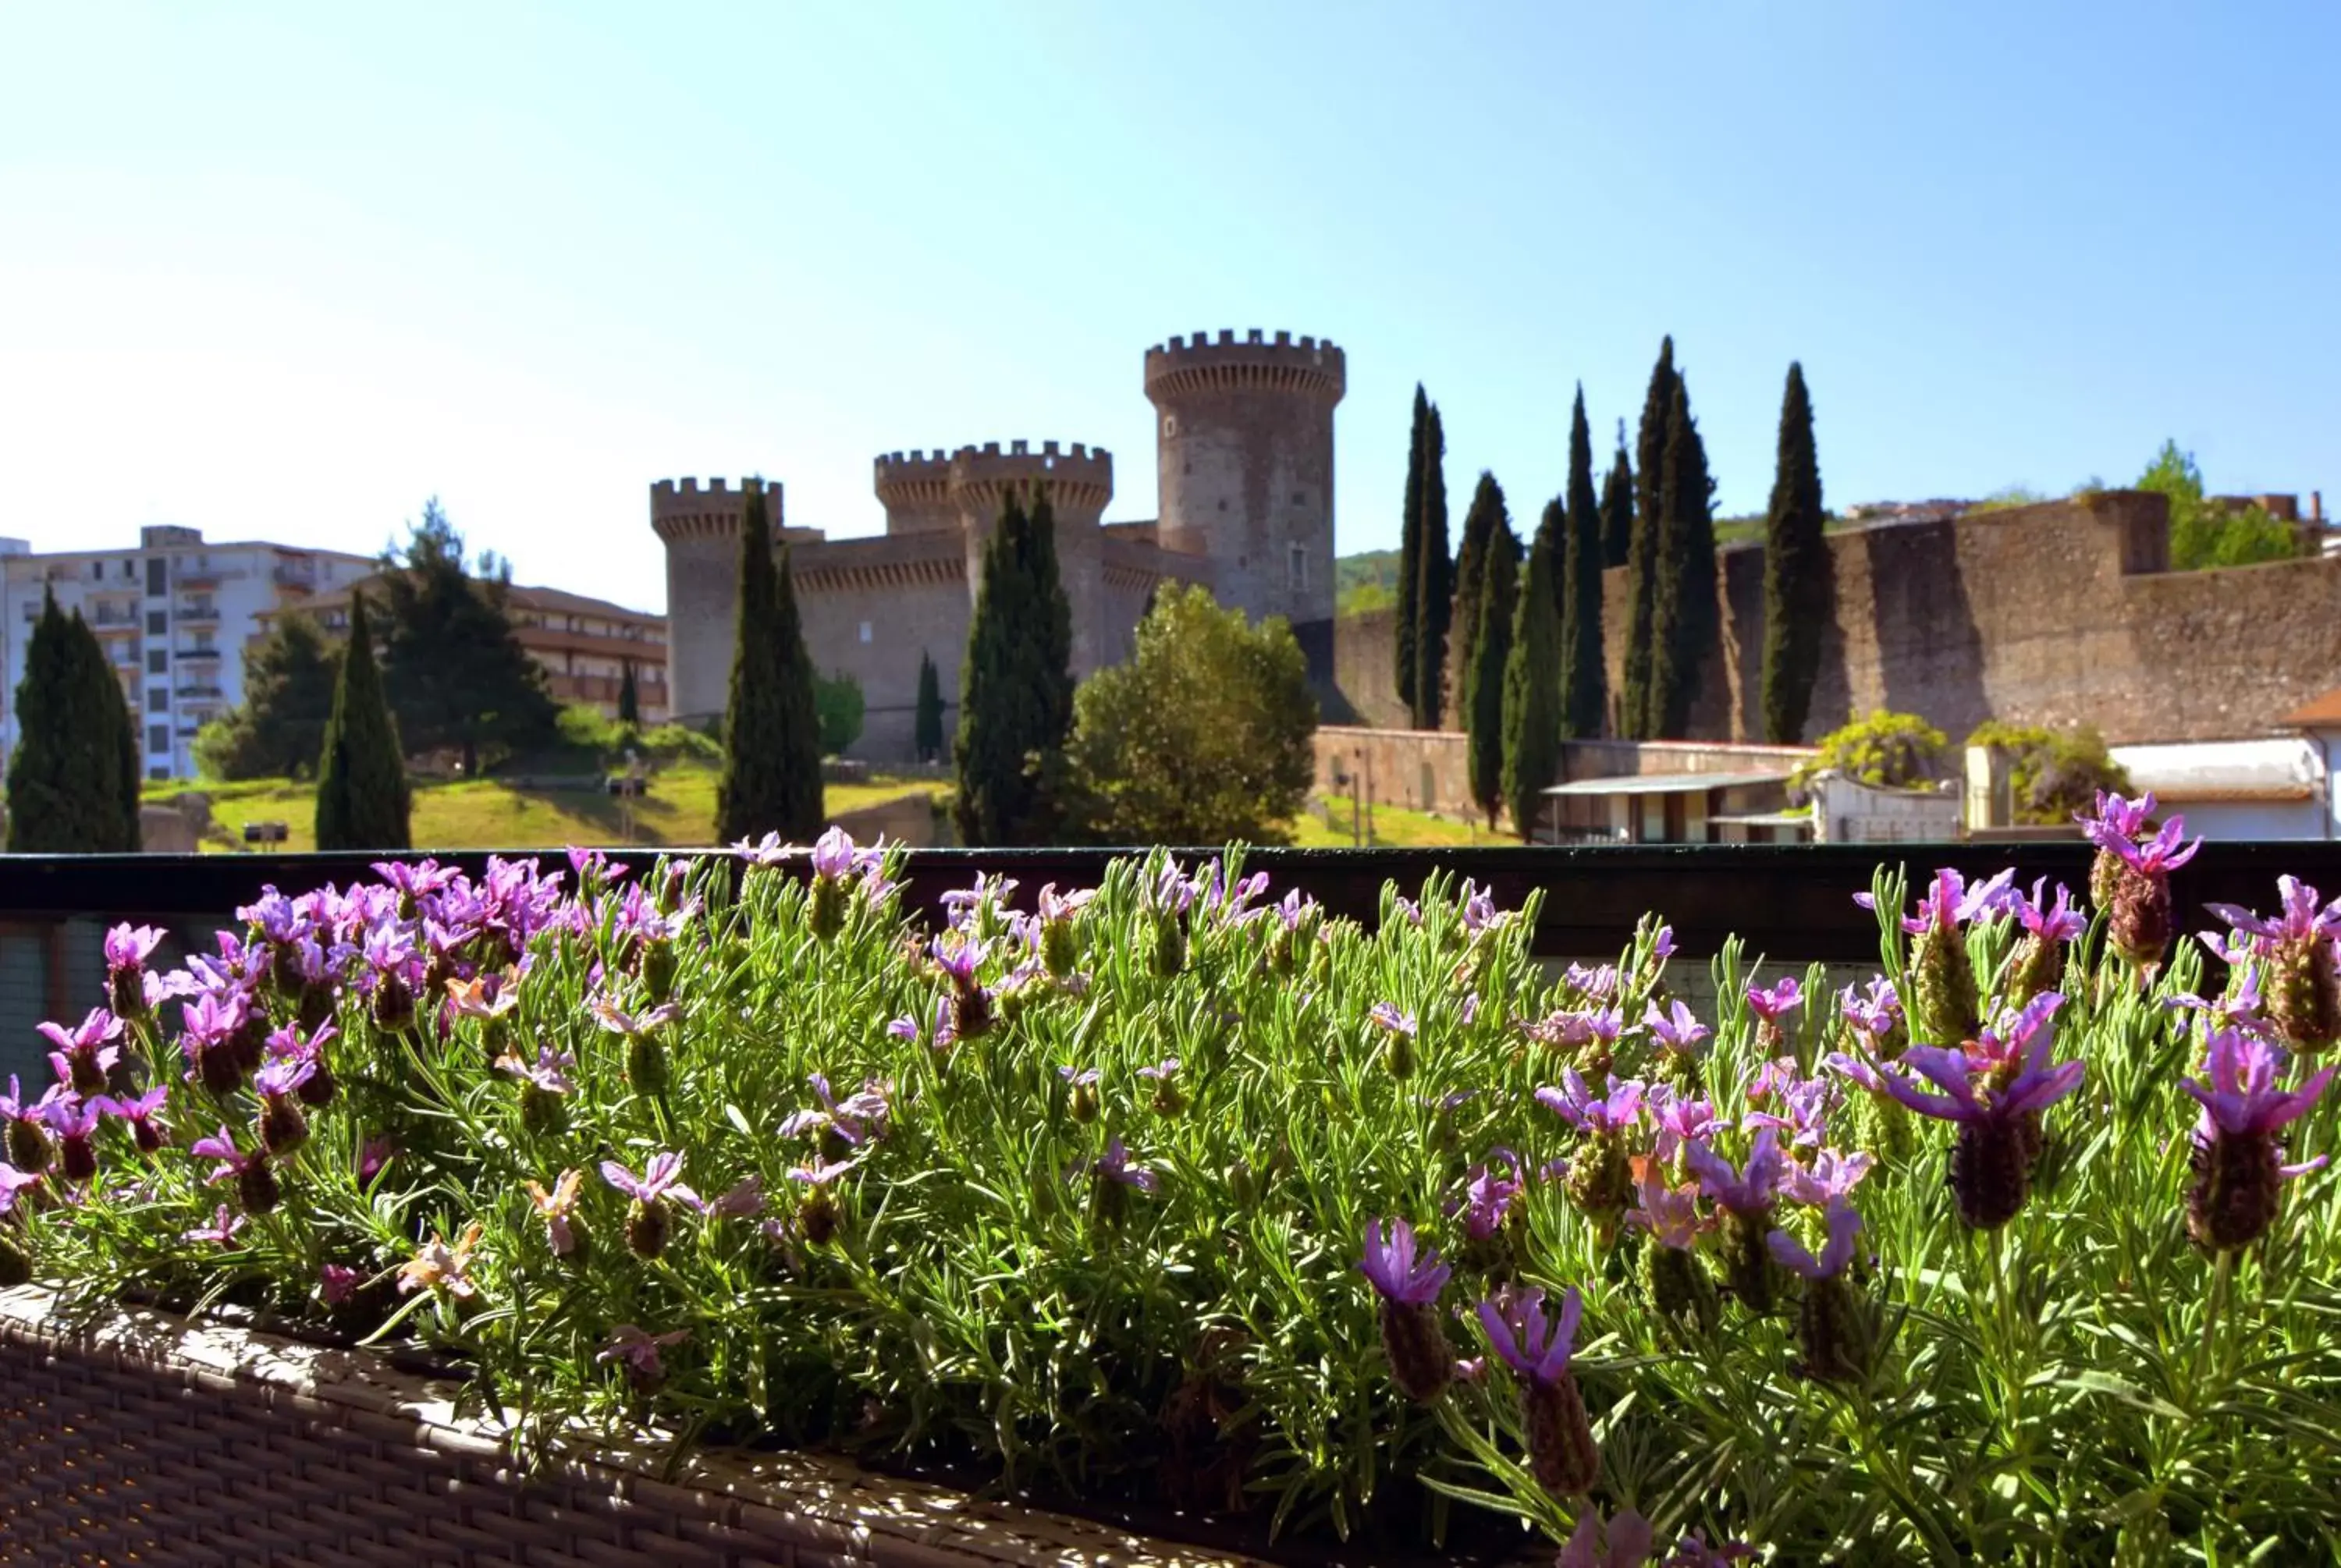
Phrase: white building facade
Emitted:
{"points": [[174, 615]]}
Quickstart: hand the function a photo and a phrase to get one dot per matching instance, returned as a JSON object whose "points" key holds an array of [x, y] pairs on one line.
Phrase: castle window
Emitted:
{"points": [[1301, 498], [1170, 425], [1297, 569], [865, 631]]}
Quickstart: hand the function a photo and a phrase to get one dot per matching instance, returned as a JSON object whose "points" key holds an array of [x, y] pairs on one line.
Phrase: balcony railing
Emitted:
{"points": [[200, 613], [199, 693], [186, 653]]}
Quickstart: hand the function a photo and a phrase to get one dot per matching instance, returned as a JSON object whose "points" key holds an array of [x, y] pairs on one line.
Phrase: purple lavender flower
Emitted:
{"points": [[1777, 1001], [744, 1199], [1562, 1451], [1829, 1177], [646, 1221], [27, 1136], [1680, 1118], [72, 1119], [2058, 922], [1623, 1542], [1747, 1189], [1676, 1030], [1396, 1270], [2297, 949], [221, 1147], [86, 1054], [1387, 1017], [128, 946], [1575, 1103], [1114, 1166], [1991, 1164], [13, 1182], [1490, 1189], [618, 1021], [139, 1111], [1414, 1340], [549, 1073], [2238, 1165], [1876, 1012], [337, 1283], [638, 1351], [222, 1230]]}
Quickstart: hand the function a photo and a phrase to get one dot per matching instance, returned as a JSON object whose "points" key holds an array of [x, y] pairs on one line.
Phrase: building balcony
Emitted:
{"points": [[183, 654], [298, 579], [200, 693], [200, 614]]}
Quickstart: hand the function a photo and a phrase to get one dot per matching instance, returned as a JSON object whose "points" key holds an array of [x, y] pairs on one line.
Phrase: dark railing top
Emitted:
{"points": [[1794, 901]]}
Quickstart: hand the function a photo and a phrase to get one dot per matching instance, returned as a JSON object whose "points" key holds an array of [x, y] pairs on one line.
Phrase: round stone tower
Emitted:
{"points": [[1245, 443], [1079, 482], [915, 489], [701, 530]]}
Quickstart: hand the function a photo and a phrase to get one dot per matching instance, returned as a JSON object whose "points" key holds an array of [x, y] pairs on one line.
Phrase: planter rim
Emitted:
{"points": [[877, 1518]]}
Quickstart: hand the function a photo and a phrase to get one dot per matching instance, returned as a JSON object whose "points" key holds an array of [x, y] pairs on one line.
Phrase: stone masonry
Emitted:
{"points": [[1245, 469]]}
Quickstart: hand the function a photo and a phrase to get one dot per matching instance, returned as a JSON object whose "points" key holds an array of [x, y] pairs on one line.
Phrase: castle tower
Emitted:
{"points": [[915, 489], [1081, 483], [1244, 446], [700, 529]]}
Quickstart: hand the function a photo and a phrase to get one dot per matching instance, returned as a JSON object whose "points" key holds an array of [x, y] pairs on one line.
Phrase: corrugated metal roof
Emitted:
{"points": [[1667, 783]]}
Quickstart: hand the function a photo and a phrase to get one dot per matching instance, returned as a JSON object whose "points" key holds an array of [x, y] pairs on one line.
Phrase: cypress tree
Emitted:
{"points": [[1470, 566], [1409, 550], [1797, 582], [73, 783], [1532, 691], [927, 718], [1584, 686], [1617, 506], [363, 798], [1434, 599], [1016, 689], [1686, 621], [1482, 697], [630, 700], [771, 781], [1638, 716]]}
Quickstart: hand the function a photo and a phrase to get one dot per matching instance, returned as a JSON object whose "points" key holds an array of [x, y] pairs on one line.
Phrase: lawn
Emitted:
{"points": [[472, 814], [1394, 828]]}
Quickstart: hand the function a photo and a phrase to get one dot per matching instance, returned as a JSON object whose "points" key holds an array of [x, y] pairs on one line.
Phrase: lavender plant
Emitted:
{"points": [[1162, 1190]]}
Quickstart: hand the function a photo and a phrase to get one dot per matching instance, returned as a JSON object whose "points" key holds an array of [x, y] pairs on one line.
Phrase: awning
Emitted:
{"points": [[1667, 783]]}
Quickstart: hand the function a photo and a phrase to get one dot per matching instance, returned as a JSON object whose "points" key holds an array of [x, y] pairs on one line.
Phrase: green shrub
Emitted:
{"points": [[1887, 750], [2053, 775]]}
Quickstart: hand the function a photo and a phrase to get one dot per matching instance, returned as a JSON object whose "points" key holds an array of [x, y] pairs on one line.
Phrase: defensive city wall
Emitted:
{"points": [[2065, 612]]}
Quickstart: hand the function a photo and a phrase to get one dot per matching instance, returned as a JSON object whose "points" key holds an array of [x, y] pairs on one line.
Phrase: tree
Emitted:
{"points": [[454, 670], [1686, 618], [1887, 750], [2204, 534], [2053, 774], [1584, 683], [279, 728], [1532, 689], [1637, 714], [927, 718], [1434, 597], [1617, 506], [362, 795], [1016, 689], [837, 699], [73, 783], [630, 697], [1479, 525], [1409, 552], [1482, 697], [1799, 582], [771, 781], [1202, 737]]}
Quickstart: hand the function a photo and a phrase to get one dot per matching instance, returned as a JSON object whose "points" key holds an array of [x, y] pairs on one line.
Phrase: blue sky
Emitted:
{"points": [[284, 271]]}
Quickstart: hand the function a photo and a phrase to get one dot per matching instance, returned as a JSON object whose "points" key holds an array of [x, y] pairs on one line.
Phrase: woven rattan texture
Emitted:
{"points": [[134, 1439]]}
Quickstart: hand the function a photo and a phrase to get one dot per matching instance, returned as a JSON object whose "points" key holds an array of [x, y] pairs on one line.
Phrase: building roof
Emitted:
{"points": [[2205, 772], [2320, 713], [1667, 783], [522, 597]]}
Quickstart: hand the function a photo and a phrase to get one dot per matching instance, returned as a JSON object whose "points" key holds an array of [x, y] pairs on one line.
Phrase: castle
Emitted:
{"points": [[1244, 475]]}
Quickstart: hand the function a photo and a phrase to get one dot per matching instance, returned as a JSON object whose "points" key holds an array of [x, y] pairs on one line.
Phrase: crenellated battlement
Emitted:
{"points": [[1256, 362], [1079, 477], [682, 509]]}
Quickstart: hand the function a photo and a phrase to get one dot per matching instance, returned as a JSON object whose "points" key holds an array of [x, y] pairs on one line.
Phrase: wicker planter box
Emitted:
{"points": [[140, 1437]]}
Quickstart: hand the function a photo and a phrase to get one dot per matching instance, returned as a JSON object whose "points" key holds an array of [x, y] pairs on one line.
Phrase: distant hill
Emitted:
{"points": [[1364, 581]]}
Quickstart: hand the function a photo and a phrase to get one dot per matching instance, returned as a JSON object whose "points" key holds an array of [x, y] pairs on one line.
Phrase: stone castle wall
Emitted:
{"points": [[869, 607], [2061, 613]]}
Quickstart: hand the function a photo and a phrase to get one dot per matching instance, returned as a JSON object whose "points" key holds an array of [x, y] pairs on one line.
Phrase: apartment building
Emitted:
{"points": [[174, 615], [582, 645]]}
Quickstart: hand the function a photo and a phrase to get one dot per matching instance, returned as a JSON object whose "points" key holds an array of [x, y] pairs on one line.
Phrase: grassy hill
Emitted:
{"points": [[1365, 580], [486, 813]]}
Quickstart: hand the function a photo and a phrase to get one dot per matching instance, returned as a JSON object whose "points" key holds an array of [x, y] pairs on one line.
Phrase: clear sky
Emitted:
{"points": [[283, 271]]}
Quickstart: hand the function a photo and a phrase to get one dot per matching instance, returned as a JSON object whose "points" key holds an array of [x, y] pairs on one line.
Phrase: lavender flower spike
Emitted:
{"points": [[1393, 1266], [1562, 1451], [1843, 1225], [1991, 1165], [1535, 1347], [2238, 1168]]}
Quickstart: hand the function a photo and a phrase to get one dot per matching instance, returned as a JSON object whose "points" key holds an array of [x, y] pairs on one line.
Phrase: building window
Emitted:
{"points": [[1297, 569], [865, 631], [158, 575], [129, 571], [158, 662], [157, 622], [158, 774], [1170, 425], [158, 738], [158, 699]]}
